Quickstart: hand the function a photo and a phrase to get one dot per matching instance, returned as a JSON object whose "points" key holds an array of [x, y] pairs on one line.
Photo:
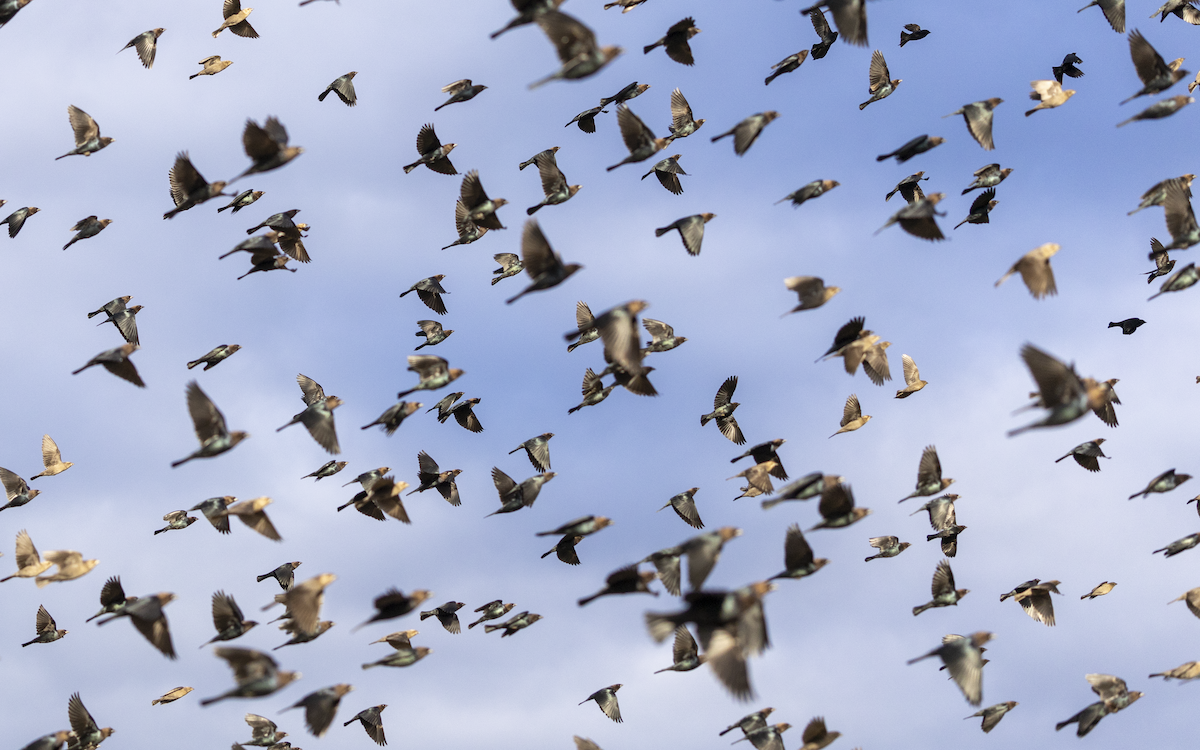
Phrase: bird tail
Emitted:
{"points": [[411, 167], [195, 76], [1126, 122], [533, 209], [648, 47], [1030, 112], [490, 628], [885, 157], [264, 576], [193, 364], [1112, 325], [917, 611], [661, 231], [159, 531], [324, 94], [572, 410], [705, 419], [959, 224], [863, 106]]}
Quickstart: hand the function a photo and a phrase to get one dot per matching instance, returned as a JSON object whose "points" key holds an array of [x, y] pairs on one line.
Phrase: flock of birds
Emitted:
{"points": [[729, 626]]}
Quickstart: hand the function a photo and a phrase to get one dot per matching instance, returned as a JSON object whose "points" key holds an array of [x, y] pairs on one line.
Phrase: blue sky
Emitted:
{"points": [[840, 639]]}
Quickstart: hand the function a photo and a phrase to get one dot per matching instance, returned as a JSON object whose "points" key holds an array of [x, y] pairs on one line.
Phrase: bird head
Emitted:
{"points": [[237, 437], [352, 73], [610, 52], [136, 308], [769, 115], [447, 148], [103, 142], [333, 402], [708, 217], [33, 210], [105, 222]]}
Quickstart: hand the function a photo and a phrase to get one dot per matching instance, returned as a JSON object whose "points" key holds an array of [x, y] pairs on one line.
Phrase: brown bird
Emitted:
{"points": [[723, 408], [171, 695], [544, 266], [47, 630], [638, 138], [320, 707], [919, 218], [87, 733], [235, 20], [118, 363], [303, 602], [746, 132], [1034, 267], [148, 617], [267, 146], [691, 231], [1191, 598], [978, 116], [253, 515], [71, 565], [256, 673], [852, 416], [575, 44], [676, 42], [912, 378], [433, 154], [1036, 601], [372, 722], [1100, 590]]}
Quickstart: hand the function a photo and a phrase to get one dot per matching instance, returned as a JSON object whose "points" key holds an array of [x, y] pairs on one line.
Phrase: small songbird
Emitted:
{"points": [[888, 546], [87, 227], [318, 417], [684, 505], [798, 559], [1085, 454], [787, 65], [691, 231], [228, 619], [1068, 67], [852, 416], [176, 520], [257, 674], [544, 266], [148, 617], [343, 86], [537, 449], [320, 707], [1048, 94], [267, 146], [586, 120], [188, 187], [881, 84], [433, 154], [47, 630], [283, 575], [944, 593], [51, 459], [434, 372], [919, 218], [981, 208], [87, 138], [964, 658], [17, 218], [685, 654], [574, 42], [429, 290], [29, 562], [492, 611], [1156, 74], [264, 732], [682, 123], [1035, 270], [912, 378], [215, 356], [746, 132], [371, 721], [606, 699], [446, 615], [918, 145], [215, 438], [723, 408], [393, 603], [978, 116], [118, 363], [481, 210], [989, 175], [171, 696], [1114, 13], [235, 20], [1164, 482], [1100, 590], [628, 580], [813, 189], [993, 714], [460, 91], [912, 32], [825, 35], [676, 42], [663, 336], [638, 138], [146, 45], [1159, 110], [85, 732], [212, 65], [909, 188], [1129, 325], [929, 475], [667, 171], [554, 182]]}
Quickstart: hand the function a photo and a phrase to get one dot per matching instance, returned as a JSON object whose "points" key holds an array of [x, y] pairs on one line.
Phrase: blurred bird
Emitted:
{"points": [[537, 449], [468, 231], [17, 218], [1048, 94], [188, 187], [919, 218], [980, 208], [852, 416], [171, 696], [1158, 193], [372, 722], [252, 514], [527, 13], [235, 20], [764, 454], [517, 622], [554, 182], [1159, 110], [446, 615], [837, 505], [256, 673], [215, 356], [944, 595], [1179, 545], [126, 323], [47, 630], [993, 714], [434, 373], [1114, 13], [606, 699], [813, 189], [492, 611], [667, 171], [283, 575], [87, 733], [431, 477], [209, 423], [1129, 325], [264, 731], [1182, 279], [1068, 67], [148, 617], [434, 155], [1164, 482], [684, 505], [963, 657], [267, 146], [638, 138], [746, 132], [675, 42], [978, 116], [212, 65], [146, 45], [850, 17], [691, 231], [1100, 590], [393, 603], [751, 722], [918, 145], [303, 601], [888, 546], [787, 65], [881, 84], [320, 707], [51, 460], [929, 475], [318, 416], [685, 654], [481, 209], [987, 176], [459, 91], [1191, 598], [544, 266], [343, 86], [1182, 8], [1155, 73], [798, 559], [909, 188], [575, 44], [1184, 672], [87, 227], [1035, 270], [118, 363], [87, 137], [214, 510], [228, 619], [723, 408], [631, 91]]}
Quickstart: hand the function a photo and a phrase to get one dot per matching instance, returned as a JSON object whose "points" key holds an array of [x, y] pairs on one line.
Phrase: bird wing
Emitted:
{"points": [[472, 191], [1177, 209], [313, 392], [681, 111], [123, 368], [1039, 607], [81, 721], [427, 366], [685, 645], [26, 554], [1146, 60], [183, 178], [427, 140], [206, 417], [504, 483], [1037, 274], [851, 411], [258, 143], [980, 204], [607, 701], [883, 542], [553, 180], [725, 392], [231, 8], [84, 127], [225, 612], [634, 132], [911, 373], [878, 76], [537, 255], [797, 553], [146, 47], [344, 88], [457, 86], [692, 233], [943, 580], [258, 521], [929, 470], [729, 663], [658, 329], [592, 383], [966, 668], [1057, 383], [806, 287], [45, 623], [427, 465], [126, 323], [815, 730], [571, 39], [112, 592], [465, 416], [836, 500]]}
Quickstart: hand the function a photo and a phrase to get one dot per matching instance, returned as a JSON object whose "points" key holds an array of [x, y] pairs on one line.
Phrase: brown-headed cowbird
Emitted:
{"points": [[209, 423], [87, 136], [47, 630], [371, 721], [434, 373], [1100, 590], [256, 673], [798, 559], [1164, 482], [491, 611], [176, 520], [267, 146], [1159, 110], [811, 190], [723, 408], [1155, 73], [663, 338], [317, 418], [283, 575], [431, 477], [148, 617], [303, 602], [852, 416], [944, 593], [112, 597], [586, 120], [638, 138], [978, 116], [880, 81], [684, 505], [676, 42], [87, 733], [837, 507], [87, 227], [981, 207], [918, 145], [16, 490], [481, 210], [787, 65], [704, 551], [746, 132], [963, 657], [394, 603], [929, 475], [682, 123], [594, 391], [118, 363], [1060, 389], [1036, 602], [343, 86], [510, 265], [750, 722], [909, 188], [667, 171], [1184, 672], [430, 291], [606, 699], [188, 187], [544, 266], [1068, 67], [537, 449], [575, 44], [685, 654], [433, 154], [1157, 194], [513, 624], [1085, 454], [215, 356], [1114, 13], [235, 20], [243, 199], [213, 64], [17, 218], [912, 32], [993, 714], [1035, 270], [460, 91], [888, 546], [919, 218], [171, 695], [989, 175], [554, 182], [447, 615], [126, 322], [691, 231], [320, 707]]}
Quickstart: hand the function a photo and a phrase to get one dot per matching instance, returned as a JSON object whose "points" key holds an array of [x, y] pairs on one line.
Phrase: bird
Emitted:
{"points": [[723, 408], [87, 227], [544, 266], [1179, 545], [606, 699], [944, 593], [988, 176], [638, 138], [586, 322], [256, 673], [1048, 94], [267, 146], [514, 624], [468, 231], [1085, 454], [87, 139], [981, 207], [1158, 193], [434, 372], [627, 580], [919, 218], [51, 460], [1129, 325], [481, 210], [1156, 75], [283, 575], [1182, 8], [228, 619], [684, 505], [431, 477], [394, 603], [264, 732], [747, 131], [1114, 13], [852, 416], [215, 438], [17, 218], [682, 123], [993, 714], [318, 417], [29, 563], [446, 615], [667, 171], [836, 506], [594, 391], [87, 733], [146, 45], [372, 723], [1035, 270], [798, 558], [1159, 110], [1191, 598], [929, 475], [691, 231], [586, 120], [1068, 67], [554, 182], [148, 617], [176, 520], [912, 32], [812, 190], [912, 378], [765, 454], [118, 363], [663, 338], [47, 630], [881, 83], [1060, 389], [171, 695], [631, 91], [125, 322], [1164, 482], [1114, 696], [1184, 672], [751, 722], [918, 145], [436, 156], [215, 356], [537, 449], [815, 735], [212, 65], [575, 43], [909, 188], [429, 290], [235, 20], [888, 546], [320, 707], [787, 65], [850, 17], [978, 116], [963, 657], [1100, 590], [826, 37], [343, 86], [675, 42], [188, 187], [510, 265], [459, 91], [491, 611], [685, 654]]}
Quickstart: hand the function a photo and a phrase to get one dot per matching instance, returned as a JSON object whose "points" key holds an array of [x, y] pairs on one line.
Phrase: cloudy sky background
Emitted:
{"points": [[840, 639]]}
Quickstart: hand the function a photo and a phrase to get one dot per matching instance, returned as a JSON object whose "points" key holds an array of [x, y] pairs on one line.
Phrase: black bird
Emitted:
{"points": [[1129, 325], [918, 145], [1068, 67], [821, 26]]}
